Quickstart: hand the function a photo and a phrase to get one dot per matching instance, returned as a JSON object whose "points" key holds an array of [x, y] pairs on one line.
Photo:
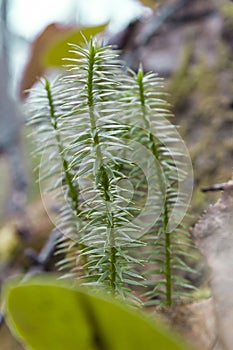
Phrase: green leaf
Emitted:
{"points": [[55, 54], [46, 314]]}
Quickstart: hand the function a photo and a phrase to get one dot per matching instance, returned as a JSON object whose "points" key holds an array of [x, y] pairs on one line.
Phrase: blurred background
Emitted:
{"points": [[27, 18]]}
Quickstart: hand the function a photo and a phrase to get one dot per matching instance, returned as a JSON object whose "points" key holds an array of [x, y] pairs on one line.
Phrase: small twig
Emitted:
{"points": [[159, 19], [216, 187], [40, 261]]}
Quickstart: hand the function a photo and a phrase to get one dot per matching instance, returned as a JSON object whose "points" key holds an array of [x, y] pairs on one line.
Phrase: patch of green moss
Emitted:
{"points": [[179, 86], [226, 9], [202, 96]]}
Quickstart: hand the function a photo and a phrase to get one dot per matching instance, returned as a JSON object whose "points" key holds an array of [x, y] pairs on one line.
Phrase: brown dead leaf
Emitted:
{"points": [[35, 68], [213, 235], [196, 323]]}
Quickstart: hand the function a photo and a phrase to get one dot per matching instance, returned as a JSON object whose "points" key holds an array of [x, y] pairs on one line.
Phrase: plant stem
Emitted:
{"points": [[73, 192], [100, 168], [162, 182], [167, 256], [113, 270]]}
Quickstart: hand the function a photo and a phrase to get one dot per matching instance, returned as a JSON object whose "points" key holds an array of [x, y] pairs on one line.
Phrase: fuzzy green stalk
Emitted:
{"points": [[113, 269], [162, 182], [101, 172], [73, 192], [168, 272]]}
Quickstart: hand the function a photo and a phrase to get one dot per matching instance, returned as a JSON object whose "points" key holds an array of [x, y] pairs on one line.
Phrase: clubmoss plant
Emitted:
{"points": [[146, 101], [118, 167]]}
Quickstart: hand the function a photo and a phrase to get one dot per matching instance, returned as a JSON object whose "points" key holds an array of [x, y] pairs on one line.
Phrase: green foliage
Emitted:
{"points": [[45, 314], [54, 55], [118, 167]]}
